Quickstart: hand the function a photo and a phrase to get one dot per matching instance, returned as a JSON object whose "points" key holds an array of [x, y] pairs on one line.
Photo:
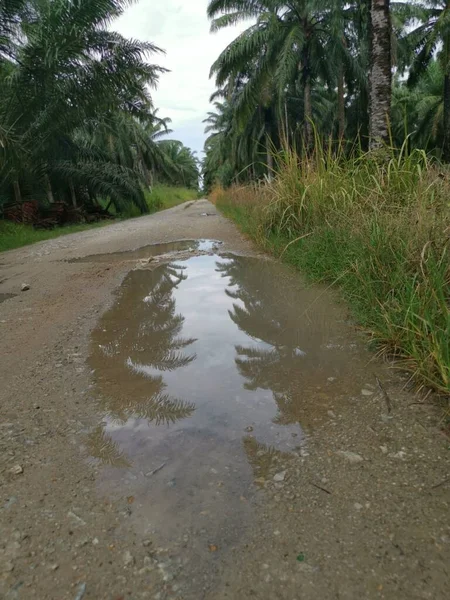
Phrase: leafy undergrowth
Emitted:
{"points": [[14, 235], [378, 229]]}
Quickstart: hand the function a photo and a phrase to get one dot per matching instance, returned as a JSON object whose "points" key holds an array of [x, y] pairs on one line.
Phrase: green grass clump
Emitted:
{"points": [[376, 226]]}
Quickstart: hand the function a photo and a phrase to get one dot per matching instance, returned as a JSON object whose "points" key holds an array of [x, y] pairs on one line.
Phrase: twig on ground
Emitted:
{"points": [[446, 480], [384, 394], [319, 487], [156, 470]]}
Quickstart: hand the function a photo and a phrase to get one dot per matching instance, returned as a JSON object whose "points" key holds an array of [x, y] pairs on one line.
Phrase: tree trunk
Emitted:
{"points": [[307, 126], [380, 74], [269, 151], [17, 193], [341, 103], [48, 187], [72, 193]]}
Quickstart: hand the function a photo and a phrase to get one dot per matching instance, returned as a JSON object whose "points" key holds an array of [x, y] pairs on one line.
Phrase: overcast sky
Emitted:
{"points": [[181, 28]]}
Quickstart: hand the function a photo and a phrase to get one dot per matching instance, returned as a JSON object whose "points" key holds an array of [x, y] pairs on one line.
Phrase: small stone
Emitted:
{"points": [[358, 506], [401, 455], [249, 429], [351, 457], [384, 449], [280, 476], [128, 559], [8, 567], [95, 542], [331, 379], [147, 543], [331, 414], [54, 567], [366, 392], [24, 287], [16, 470]]}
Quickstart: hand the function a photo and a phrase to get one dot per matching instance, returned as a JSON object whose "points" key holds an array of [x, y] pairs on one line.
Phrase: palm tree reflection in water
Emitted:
{"points": [[136, 341]]}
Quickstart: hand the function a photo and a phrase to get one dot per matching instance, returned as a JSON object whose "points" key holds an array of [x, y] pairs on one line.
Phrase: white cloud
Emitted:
{"points": [[181, 28]]}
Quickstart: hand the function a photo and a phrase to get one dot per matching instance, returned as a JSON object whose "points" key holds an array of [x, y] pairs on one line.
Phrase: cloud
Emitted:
{"points": [[181, 28]]}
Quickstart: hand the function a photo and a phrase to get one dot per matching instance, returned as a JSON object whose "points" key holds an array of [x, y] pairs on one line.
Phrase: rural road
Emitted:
{"points": [[204, 426]]}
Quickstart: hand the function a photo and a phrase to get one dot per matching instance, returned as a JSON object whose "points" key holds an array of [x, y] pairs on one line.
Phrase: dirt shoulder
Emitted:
{"points": [[337, 527]]}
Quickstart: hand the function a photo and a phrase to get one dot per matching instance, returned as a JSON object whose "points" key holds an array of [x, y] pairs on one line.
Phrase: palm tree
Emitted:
{"points": [[63, 74], [133, 349], [429, 38], [287, 44], [380, 73], [185, 171]]}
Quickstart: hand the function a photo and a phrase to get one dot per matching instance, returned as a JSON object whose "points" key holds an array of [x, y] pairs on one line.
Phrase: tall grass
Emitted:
{"points": [[380, 227]]}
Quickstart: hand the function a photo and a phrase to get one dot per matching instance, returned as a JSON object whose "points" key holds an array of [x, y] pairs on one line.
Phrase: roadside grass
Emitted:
{"points": [[14, 235], [377, 228]]}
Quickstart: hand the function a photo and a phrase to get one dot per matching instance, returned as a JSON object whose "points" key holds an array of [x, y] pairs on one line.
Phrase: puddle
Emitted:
{"points": [[4, 297], [210, 374], [152, 250]]}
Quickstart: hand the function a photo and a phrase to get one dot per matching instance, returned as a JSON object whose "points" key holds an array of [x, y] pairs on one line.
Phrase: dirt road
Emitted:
{"points": [[204, 426]]}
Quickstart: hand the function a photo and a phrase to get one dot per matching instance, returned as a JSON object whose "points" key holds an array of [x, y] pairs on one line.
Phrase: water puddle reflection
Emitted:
{"points": [[209, 372], [152, 250]]}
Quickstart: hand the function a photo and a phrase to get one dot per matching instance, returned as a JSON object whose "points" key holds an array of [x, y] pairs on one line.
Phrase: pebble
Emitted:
{"points": [[401, 455], [384, 449], [16, 470], [24, 287], [358, 506], [366, 392], [128, 558], [8, 567], [147, 543], [351, 457], [280, 476]]}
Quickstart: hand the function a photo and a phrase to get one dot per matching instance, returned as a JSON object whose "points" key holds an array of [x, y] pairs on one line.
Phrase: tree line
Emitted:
{"points": [[77, 121], [355, 75]]}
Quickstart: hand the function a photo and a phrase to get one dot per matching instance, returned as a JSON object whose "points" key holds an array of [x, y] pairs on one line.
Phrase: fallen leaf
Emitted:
{"points": [[212, 548], [130, 499]]}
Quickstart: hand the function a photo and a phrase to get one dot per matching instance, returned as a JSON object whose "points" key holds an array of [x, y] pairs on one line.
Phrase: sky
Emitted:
{"points": [[181, 28]]}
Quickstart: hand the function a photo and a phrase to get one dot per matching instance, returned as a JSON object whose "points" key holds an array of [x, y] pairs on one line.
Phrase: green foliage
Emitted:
{"points": [[76, 117], [308, 61], [377, 229]]}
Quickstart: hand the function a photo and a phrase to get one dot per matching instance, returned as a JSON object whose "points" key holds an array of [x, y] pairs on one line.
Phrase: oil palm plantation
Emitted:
{"points": [[77, 122], [430, 38]]}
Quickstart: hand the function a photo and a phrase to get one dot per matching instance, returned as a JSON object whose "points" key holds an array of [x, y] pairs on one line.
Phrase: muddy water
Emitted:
{"points": [[151, 250], [211, 373]]}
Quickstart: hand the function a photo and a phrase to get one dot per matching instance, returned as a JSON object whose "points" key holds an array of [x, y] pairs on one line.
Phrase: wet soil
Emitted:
{"points": [[193, 421]]}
